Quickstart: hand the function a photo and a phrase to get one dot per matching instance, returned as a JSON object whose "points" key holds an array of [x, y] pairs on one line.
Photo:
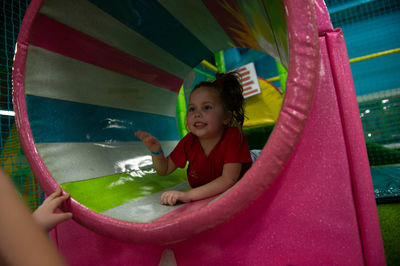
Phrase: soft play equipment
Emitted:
{"points": [[88, 74], [263, 108]]}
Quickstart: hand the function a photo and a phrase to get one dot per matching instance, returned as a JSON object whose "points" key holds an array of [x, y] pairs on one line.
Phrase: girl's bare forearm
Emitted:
{"points": [[230, 175], [160, 163], [163, 165], [213, 188]]}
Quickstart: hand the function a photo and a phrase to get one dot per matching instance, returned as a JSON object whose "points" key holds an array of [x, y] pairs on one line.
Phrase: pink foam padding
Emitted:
{"points": [[323, 18], [307, 217], [356, 150], [38, 168]]}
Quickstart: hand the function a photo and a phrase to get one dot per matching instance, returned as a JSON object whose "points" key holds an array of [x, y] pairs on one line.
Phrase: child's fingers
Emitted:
{"points": [[55, 203], [138, 133], [165, 198], [142, 135], [173, 199], [60, 217], [162, 201], [54, 194], [169, 198]]}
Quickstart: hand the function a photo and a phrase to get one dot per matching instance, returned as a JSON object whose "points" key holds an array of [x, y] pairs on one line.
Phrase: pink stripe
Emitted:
{"points": [[59, 38]]}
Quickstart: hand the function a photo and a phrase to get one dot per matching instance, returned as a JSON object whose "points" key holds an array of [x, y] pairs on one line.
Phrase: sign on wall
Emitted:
{"points": [[249, 80]]}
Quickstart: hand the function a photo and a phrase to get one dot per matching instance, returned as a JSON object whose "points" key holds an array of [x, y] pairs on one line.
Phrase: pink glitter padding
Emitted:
{"points": [[324, 21], [304, 64], [356, 150], [38, 168]]}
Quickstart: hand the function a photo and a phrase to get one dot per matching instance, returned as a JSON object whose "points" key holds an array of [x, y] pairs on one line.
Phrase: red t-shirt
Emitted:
{"points": [[232, 148]]}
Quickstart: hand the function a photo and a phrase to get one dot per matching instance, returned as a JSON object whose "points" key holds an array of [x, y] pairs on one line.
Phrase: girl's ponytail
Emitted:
{"points": [[232, 96]]}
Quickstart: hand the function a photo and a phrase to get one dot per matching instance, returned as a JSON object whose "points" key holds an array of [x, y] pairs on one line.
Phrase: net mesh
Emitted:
{"points": [[12, 157], [372, 27], [344, 12]]}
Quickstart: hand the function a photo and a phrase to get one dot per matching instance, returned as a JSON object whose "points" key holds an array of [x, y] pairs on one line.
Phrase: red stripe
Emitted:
{"points": [[249, 92], [245, 79], [241, 69], [245, 73], [247, 88], [59, 38], [248, 83]]}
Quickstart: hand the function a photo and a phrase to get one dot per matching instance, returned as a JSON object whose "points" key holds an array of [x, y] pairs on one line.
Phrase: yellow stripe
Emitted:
{"points": [[273, 79], [209, 65], [358, 59], [366, 57]]}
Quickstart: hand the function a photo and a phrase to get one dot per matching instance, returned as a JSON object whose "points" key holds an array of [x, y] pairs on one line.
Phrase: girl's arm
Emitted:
{"points": [[22, 241], [230, 175], [163, 165]]}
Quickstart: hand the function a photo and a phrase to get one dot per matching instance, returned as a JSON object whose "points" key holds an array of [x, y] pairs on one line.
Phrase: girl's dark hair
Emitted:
{"points": [[231, 93]]}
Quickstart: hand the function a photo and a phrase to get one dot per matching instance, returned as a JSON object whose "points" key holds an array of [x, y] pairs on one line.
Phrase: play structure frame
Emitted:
{"points": [[308, 199]]}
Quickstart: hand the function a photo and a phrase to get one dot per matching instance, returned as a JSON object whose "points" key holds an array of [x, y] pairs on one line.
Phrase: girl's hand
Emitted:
{"points": [[45, 215], [152, 144], [173, 196]]}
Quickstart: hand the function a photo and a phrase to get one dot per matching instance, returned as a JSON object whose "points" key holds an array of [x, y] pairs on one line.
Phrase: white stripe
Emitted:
{"points": [[145, 209], [69, 162], [89, 19], [56, 76]]}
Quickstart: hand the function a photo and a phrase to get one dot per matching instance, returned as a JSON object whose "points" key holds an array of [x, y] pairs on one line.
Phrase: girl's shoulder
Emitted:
{"points": [[189, 138], [234, 132]]}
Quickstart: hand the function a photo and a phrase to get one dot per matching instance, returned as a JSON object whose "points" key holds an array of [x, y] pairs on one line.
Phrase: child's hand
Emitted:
{"points": [[45, 216], [173, 196], [152, 144]]}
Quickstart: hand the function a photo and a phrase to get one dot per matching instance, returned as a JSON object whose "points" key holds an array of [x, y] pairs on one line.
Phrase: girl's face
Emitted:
{"points": [[206, 116]]}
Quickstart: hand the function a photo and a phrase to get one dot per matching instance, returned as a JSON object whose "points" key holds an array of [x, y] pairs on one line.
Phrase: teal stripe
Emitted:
{"points": [[154, 22], [62, 121]]}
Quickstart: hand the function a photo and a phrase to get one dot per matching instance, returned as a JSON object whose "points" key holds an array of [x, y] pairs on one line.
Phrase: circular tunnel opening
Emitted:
{"points": [[88, 74]]}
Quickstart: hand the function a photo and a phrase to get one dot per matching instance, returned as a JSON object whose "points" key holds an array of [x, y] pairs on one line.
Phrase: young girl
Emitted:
{"points": [[215, 147]]}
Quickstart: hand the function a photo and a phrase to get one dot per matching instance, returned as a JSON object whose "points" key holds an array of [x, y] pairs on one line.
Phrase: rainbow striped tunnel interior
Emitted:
{"points": [[88, 74]]}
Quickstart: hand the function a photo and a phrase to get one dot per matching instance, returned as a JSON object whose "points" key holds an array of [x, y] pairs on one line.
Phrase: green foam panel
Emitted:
{"points": [[103, 193]]}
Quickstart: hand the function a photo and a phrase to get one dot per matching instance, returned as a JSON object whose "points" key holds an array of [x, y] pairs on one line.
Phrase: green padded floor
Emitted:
{"points": [[103, 193]]}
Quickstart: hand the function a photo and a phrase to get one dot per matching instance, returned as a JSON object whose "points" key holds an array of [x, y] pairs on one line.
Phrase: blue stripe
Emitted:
{"points": [[154, 22], [62, 121]]}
